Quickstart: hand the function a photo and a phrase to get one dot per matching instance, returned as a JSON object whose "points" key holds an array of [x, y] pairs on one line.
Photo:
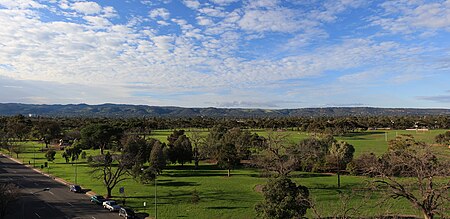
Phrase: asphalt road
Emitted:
{"points": [[57, 202]]}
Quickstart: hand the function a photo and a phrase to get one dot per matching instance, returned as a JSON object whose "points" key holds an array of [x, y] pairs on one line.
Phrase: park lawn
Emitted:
{"points": [[220, 196], [375, 141], [235, 197]]}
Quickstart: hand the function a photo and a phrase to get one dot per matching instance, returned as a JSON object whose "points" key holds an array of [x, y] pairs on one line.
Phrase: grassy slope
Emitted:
{"points": [[234, 197]]}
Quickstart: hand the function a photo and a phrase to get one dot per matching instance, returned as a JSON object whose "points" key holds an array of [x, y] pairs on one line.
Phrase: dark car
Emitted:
{"points": [[98, 199], [126, 213], [75, 188]]}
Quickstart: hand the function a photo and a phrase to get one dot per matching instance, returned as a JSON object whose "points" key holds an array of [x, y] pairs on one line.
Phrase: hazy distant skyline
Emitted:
{"points": [[226, 53]]}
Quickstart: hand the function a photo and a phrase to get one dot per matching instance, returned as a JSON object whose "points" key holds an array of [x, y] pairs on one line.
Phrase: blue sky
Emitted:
{"points": [[226, 53]]}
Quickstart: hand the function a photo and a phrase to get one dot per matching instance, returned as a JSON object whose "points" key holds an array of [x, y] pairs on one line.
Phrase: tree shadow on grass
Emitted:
{"points": [[177, 184], [357, 134], [141, 215], [310, 175], [223, 208]]}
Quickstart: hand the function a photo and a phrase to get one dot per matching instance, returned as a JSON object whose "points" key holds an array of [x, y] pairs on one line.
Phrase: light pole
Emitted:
{"points": [[156, 202], [34, 157], [76, 172]]}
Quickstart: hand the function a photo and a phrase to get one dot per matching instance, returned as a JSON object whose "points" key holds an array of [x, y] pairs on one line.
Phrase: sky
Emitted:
{"points": [[226, 53]]}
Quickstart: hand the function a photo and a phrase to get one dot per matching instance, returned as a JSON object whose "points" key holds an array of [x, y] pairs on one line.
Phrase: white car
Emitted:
{"points": [[111, 205]]}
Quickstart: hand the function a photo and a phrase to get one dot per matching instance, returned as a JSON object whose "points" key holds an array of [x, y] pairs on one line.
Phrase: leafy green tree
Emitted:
{"points": [[198, 143], [340, 154], [100, 136], [277, 156], [138, 149], [47, 130], [227, 157], [50, 155], [443, 138], [311, 152], [157, 158], [402, 142], [283, 199], [180, 151]]}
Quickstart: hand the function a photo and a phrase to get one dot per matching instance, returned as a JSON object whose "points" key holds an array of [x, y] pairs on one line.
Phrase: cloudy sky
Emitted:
{"points": [[226, 53]]}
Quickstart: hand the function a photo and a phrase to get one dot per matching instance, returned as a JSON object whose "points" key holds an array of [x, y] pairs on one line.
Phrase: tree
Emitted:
{"points": [[340, 154], [138, 149], [402, 142], [443, 138], [100, 136], [50, 155], [8, 193], [72, 153], [180, 151], [198, 143], [17, 149], [227, 157], [283, 199], [111, 169], [157, 159], [429, 190], [47, 131], [311, 152], [277, 156]]}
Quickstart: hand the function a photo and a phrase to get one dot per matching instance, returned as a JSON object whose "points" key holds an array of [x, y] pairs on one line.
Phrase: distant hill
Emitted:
{"points": [[123, 110]]}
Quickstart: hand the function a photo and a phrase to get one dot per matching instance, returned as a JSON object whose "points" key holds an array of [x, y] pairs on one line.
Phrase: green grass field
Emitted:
{"points": [[235, 197]]}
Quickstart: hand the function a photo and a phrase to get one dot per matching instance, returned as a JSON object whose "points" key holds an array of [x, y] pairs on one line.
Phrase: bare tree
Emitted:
{"points": [[111, 169], [428, 186], [8, 193]]}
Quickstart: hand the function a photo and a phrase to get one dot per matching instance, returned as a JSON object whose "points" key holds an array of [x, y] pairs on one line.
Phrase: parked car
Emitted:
{"points": [[98, 199], [126, 213], [111, 205], [75, 188]]}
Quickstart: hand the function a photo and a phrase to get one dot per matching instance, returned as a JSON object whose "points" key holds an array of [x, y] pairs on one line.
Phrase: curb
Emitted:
{"points": [[57, 179]]}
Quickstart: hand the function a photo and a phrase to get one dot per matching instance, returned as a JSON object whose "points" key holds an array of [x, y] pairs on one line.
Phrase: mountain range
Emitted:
{"points": [[124, 110]]}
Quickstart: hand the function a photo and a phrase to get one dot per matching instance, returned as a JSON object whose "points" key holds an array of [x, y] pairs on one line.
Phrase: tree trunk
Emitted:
{"points": [[101, 150], [229, 172], [196, 164], [109, 192], [339, 178], [427, 215]]}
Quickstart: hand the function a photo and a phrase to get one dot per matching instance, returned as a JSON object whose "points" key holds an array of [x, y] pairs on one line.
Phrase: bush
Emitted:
{"points": [[195, 198], [83, 155], [50, 155], [283, 199]]}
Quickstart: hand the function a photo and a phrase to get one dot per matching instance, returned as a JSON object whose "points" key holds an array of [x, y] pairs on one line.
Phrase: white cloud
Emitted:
{"points": [[407, 17], [204, 21], [86, 7], [224, 2], [21, 4], [278, 20], [163, 42], [192, 4], [160, 12]]}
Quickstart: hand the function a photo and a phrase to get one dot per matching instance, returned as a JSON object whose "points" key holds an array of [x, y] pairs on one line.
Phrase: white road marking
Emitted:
{"points": [[37, 215], [69, 204], [51, 192], [93, 217]]}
